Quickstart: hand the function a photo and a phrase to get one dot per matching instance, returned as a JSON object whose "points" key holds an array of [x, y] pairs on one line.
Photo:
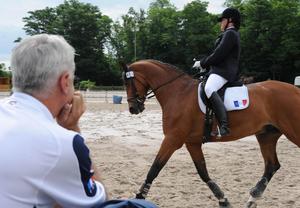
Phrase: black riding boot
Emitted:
{"points": [[221, 114]]}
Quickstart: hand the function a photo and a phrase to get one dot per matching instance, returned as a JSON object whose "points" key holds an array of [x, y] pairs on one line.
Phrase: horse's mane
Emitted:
{"points": [[167, 65]]}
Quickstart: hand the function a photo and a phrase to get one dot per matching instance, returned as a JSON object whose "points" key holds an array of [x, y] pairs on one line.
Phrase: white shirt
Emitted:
{"points": [[40, 161]]}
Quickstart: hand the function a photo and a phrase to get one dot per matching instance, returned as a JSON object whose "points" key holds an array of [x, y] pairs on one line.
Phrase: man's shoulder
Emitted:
{"points": [[60, 132]]}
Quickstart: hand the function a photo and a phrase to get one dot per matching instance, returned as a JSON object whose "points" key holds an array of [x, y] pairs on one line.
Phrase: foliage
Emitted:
{"points": [[269, 36], [84, 27], [2, 66], [86, 84], [129, 37], [164, 33], [270, 43], [197, 33], [163, 21], [3, 71]]}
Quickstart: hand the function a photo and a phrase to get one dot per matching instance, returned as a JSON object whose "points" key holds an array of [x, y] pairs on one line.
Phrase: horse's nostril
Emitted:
{"points": [[133, 110]]}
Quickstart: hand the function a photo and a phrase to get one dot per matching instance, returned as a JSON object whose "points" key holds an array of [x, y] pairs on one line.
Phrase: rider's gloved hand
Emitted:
{"points": [[197, 65]]}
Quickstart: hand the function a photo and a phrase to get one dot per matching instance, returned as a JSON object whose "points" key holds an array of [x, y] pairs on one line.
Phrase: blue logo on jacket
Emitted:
{"points": [[91, 185]]}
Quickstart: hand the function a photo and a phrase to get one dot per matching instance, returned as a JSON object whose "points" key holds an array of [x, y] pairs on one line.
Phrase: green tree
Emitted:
{"points": [[129, 37], [86, 84], [41, 21], [164, 33], [162, 24], [3, 71], [257, 23], [2, 66], [269, 36], [198, 31], [233, 3], [270, 47], [85, 28]]}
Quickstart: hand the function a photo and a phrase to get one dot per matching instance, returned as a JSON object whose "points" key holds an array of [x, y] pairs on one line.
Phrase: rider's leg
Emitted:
{"points": [[213, 84]]}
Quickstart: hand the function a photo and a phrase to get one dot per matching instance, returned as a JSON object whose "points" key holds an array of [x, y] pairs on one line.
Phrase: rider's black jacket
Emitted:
{"points": [[224, 60]]}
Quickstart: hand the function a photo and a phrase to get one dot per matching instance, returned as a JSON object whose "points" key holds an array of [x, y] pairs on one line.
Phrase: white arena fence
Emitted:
{"points": [[103, 96]]}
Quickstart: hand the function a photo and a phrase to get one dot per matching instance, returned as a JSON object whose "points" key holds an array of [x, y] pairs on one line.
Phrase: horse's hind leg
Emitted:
{"points": [[196, 153], [267, 141], [167, 148]]}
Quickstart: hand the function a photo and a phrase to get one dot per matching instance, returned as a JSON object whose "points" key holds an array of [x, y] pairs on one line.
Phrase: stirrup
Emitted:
{"points": [[222, 131]]}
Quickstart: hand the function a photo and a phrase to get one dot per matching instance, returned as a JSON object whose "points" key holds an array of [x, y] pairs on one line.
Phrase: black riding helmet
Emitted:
{"points": [[232, 13]]}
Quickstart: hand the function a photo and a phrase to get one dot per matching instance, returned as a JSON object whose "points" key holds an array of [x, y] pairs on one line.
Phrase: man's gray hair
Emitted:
{"points": [[38, 61]]}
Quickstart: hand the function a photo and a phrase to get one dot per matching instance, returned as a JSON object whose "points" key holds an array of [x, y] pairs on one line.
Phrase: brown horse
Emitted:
{"points": [[274, 110]]}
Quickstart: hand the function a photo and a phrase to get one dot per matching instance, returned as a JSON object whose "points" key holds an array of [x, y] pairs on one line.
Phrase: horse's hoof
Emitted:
{"points": [[139, 196], [224, 204], [251, 204]]}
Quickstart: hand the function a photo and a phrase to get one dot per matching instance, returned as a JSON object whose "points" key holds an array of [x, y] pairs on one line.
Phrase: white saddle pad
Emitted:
{"points": [[235, 98]]}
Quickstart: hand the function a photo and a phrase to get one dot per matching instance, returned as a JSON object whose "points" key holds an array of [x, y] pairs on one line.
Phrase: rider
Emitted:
{"points": [[223, 64]]}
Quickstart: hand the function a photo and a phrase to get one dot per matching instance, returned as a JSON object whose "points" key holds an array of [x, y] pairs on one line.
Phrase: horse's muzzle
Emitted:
{"points": [[133, 110], [136, 108]]}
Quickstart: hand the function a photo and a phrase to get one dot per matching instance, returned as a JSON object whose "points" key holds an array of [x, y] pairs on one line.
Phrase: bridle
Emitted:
{"points": [[137, 99]]}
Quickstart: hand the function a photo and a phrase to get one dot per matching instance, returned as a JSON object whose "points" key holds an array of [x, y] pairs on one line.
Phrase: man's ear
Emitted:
{"points": [[64, 82]]}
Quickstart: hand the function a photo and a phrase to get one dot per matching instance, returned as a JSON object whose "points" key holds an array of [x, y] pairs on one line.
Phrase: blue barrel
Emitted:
{"points": [[117, 99]]}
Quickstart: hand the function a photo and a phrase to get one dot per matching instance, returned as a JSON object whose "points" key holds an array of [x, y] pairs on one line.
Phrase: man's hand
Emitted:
{"points": [[70, 113]]}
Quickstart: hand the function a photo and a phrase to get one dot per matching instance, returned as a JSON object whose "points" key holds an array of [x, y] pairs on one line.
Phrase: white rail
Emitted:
{"points": [[105, 96]]}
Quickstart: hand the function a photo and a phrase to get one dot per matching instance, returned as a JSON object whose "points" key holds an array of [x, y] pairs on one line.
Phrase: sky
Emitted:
{"points": [[12, 12]]}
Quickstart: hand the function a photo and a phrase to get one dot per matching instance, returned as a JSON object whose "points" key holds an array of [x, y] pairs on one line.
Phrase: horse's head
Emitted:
{"points": [[136, 90]]}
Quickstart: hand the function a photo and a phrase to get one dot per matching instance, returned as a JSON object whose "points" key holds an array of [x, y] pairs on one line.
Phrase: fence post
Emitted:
{"points": [[106, 96]]}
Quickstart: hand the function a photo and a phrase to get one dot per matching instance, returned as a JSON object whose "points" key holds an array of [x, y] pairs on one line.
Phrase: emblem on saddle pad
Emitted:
{"points": [[235, 98], [237, 103]]}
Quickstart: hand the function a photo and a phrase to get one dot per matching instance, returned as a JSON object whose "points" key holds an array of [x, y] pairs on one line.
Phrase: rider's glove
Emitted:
{"points": [[197, 65]]}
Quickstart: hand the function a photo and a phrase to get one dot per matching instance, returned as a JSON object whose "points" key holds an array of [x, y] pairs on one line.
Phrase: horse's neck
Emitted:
{"points": [[166, 83]]}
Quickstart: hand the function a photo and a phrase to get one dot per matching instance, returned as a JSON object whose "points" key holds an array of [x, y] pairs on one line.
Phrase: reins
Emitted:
{"points": [[162, 85], [181, 74]]}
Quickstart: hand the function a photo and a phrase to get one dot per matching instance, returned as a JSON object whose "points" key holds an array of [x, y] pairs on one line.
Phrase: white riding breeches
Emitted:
{"points": [[213, 84]]}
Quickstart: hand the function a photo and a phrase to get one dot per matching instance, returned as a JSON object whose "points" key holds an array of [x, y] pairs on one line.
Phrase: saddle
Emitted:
{"points": [[235, 97]]}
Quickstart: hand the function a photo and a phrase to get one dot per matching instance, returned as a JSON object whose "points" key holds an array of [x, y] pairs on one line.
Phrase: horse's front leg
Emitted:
{"points": [[167, 148], [196, 153]]}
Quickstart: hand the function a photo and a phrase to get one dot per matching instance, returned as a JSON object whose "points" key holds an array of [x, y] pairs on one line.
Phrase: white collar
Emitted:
{"points": [[30, 102]]}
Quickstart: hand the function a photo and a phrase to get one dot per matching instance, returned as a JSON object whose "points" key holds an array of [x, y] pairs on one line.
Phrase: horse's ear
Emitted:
{"points": [[124, 66]]}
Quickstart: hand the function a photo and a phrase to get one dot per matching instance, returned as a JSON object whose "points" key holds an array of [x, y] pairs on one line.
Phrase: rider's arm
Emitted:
{"points": [[229, 40]]}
